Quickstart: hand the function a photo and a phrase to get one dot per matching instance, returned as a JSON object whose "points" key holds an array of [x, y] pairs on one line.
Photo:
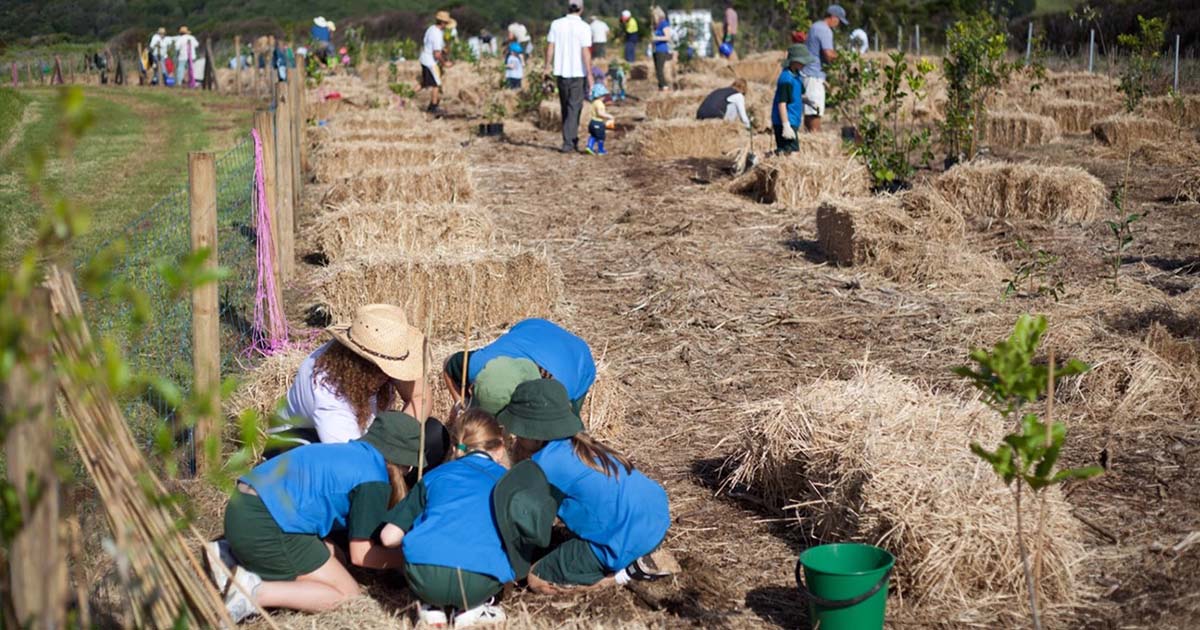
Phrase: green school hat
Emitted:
{"points": [[798, 53], [495, 383], [525, 509], [397, 436], [540, 410]]}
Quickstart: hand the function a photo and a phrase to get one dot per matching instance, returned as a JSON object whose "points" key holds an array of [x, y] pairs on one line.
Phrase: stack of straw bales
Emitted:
{"points": [[683, 104], [1074, 116], [880, 460], [1183, 110], [803, 178], [504, 285], [1012, 130], [333, 160], [997, 190], [549, 116], [706, 82], [352, 229], [450, 182], [1129, 132], [677, 139]]}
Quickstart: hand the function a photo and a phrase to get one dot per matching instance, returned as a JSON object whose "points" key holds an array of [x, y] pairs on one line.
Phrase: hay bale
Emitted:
{"points": [[450, 182], [507, 285], [802, 178], [605, 408], [264, 387], [1097, 92], [668, 105], [881, 460], [1012, 130], [340, 159], [997, 190], [717, 67], [1183, 111], [1074, 116], [549, 116], [762, 69], [411, 228], [1129, 132], [677, 139], [707, 82], [640, 71]]}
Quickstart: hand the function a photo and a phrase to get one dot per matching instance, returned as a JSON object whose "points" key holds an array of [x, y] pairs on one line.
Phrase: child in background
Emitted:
{"points": [[616, 72], [601, 120], [514, 67]]}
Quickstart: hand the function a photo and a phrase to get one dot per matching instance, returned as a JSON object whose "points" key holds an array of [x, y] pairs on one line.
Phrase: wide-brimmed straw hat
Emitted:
{"points": [[320, 21], [380, 334], [444, 18]]}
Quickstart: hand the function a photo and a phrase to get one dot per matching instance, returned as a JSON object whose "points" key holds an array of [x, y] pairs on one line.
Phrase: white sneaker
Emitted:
{"points": [[481, 615], [219, 561], [239, 601], [432, 616]]}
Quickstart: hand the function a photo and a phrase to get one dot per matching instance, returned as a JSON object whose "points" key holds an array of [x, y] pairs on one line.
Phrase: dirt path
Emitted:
{"points": [[29, 115]]}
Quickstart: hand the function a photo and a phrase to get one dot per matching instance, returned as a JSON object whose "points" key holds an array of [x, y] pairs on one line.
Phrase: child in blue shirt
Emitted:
{"points": [[618, 516], [514, 67], [787, 108]]}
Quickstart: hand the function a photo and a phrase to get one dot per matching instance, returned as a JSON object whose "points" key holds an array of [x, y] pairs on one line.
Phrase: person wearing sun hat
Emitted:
{"points": [[787, 108], [187, 49], [433, 58], [275, 524], [618, 517]]}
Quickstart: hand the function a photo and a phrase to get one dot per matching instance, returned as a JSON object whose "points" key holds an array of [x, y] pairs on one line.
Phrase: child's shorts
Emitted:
{"points": [[445, 586], [571, 563], [512, 84], [262, 547], [596, 129]]}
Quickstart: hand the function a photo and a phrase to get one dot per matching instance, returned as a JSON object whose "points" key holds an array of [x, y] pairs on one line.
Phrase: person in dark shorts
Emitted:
{"points": [[433, 58], [787, 108]]}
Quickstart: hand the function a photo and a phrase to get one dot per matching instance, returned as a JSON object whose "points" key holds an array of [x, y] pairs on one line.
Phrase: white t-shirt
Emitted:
{"points": [[313, 404], [435, 41], [599, 32], [183, 44], [514, 67], [735, 108], [858, 39], [570, 35]]}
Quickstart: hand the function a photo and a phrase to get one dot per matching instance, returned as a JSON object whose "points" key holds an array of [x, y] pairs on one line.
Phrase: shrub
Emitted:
{"points": [[887, 142], [1145, 47], [974, 68]]}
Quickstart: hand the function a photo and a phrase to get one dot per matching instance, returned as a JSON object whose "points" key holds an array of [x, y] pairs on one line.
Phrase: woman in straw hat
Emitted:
{"points": [[618, 516], [373, 363], [433, 58], [274, 553], [186, 52]]}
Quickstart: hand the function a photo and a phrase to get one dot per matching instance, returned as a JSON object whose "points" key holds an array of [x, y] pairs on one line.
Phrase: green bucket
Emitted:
{"points": [[846, 585]]}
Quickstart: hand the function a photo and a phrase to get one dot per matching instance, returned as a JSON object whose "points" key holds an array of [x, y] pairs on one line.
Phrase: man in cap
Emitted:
{"points": [[629, 26], [433, 58], [569, 57], [820, 45], [788, 106]]}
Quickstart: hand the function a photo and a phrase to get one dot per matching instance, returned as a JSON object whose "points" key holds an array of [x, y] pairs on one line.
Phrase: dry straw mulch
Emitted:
{"points": [[1129, 132], [668, 105], [700, 81], [333, 160], [681, 139], [998, 190], [882, 460], [355, 229], [448, 182], [1012, 130], [1075, 116], [1183, 111], [503, 285], [763, 70], [802, 178]]}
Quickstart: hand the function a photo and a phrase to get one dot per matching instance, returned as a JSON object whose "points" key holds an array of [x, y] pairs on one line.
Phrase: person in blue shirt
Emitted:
{"points": [[662, 46], [276, 522], [820, 46], [618, 516], [787, 108], [557, 352]]}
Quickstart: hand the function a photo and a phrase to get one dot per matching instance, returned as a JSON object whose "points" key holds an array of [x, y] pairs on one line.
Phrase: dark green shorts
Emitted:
{"points": [[571, 563], [438, 586], [262, 547], [785, 146]]}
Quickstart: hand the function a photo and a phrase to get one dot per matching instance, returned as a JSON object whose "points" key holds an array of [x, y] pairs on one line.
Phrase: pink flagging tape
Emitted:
{"points": [[270, 328]]}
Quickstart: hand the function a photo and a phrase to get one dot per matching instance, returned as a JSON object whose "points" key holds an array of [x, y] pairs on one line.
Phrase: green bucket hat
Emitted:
{"points": [[525, 509], [540, 410], [799, 53], [495, 383], [397, 436]]}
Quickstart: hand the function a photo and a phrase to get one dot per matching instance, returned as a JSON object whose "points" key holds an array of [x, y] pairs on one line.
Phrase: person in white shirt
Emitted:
{"points": [[158, 51], [187, 50], [569, 57], [433, 58], [726, 104], [858, 40], [600, 32], [514, 67]]}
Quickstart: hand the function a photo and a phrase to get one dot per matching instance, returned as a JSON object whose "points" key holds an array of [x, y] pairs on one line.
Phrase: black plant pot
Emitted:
{"points": [[892, 187], [849, 133], [950, 162], [491, 129]]}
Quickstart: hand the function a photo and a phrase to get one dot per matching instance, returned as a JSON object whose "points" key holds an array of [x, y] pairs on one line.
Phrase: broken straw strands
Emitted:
{"points": [[668, 105], [342, 159], [997, 190], [1127, 131], [679, 139], [880, 460], [549, 116], [802, 178], [444, 183], [1075, 116], [509, 285], [410, 228], [1012, 130], [263, 387], [1183, 110]]}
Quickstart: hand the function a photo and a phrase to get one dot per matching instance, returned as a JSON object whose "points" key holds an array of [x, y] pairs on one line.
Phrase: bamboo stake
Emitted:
{"points": [[1037, 552], [462, 391], [421, 413]]}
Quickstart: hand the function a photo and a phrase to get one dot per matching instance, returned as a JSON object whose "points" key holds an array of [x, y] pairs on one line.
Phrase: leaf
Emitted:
{"points": [[1077, 473]]}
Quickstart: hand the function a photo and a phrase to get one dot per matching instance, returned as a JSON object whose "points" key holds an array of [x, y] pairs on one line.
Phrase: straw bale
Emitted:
{"points": [[881, 460], [549, 116], [410, 228], [677, 139], [1127, 131], [759, 97], [997, 190], [606, 405], [713, 66], [1075, 116], [1058, 79], [334, 160], [802, 178], [698, 81], [1013, 130], [763, 70], [640, 71], [1183, 111], [450, 182], [264, 387], [506, 285], [683, 104], [1088, 91]]}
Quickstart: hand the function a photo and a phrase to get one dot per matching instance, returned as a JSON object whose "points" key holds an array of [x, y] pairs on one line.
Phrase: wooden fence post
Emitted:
{"points": [[297, 117], [210, 68], [264, 122], [302, 71], [284, 177], [237, 54], [206, 325], [36, 562]]}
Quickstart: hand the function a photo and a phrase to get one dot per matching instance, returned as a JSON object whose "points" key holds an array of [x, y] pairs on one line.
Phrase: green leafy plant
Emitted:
{"points": [[797, 13], [849, 74], [1145, 47], [496, 111], [974, 67], [1034, 269], [1008, 379], [887, 139], [529, 99], [403, 90], [1121, 230]]}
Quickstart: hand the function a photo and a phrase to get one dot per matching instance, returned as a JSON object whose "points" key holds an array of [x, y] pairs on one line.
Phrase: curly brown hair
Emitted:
{"points": [[356, 380]]}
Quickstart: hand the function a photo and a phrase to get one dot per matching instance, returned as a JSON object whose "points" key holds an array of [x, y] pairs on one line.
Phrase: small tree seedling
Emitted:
{"points": [[1034, 269], [1121, 230], [1145, 47]]}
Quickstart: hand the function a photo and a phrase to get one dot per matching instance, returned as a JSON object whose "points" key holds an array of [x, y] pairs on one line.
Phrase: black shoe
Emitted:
{"points": [[652, 566], [566, 148]]}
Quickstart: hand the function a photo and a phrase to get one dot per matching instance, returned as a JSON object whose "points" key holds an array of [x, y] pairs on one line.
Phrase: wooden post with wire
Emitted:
{"points": [[206, 326], [264, 122], [297, 119], [284, 195], [239, 61], [36, 562], [302, 73]]}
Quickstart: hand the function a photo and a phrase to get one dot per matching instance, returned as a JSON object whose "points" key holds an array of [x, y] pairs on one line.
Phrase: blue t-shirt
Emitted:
{"points": [[566, 357], [623, 517], [789, 88], [820, 37], [457, 528], [308, 489], [661, 47], [320, 33]]}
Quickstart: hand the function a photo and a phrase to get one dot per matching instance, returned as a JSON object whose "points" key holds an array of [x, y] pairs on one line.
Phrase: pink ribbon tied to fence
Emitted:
{"points": [[270, 329]]}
